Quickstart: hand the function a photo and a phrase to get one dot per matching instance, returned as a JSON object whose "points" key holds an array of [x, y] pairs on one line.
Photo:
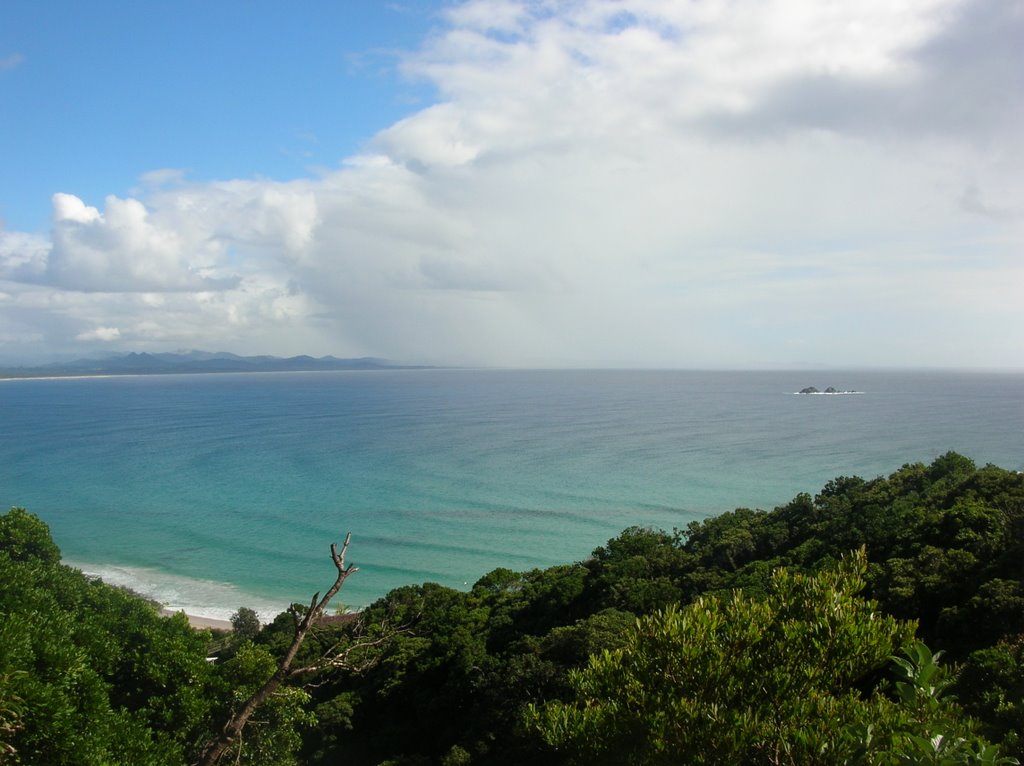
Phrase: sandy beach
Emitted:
{"points": [[200, 623]]}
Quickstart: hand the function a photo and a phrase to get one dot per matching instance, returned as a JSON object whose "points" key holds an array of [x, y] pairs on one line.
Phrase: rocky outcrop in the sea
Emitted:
{"points": [[829, 390]]}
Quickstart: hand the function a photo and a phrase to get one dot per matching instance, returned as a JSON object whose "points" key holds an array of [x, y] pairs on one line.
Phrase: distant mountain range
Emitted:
{"points": [[197, 361]]}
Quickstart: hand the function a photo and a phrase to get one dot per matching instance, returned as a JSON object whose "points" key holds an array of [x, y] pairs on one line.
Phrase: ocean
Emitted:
{"points": [[210, 492]]}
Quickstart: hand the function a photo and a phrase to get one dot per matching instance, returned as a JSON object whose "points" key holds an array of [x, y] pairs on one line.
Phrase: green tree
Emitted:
{"points": [[25, 537], [925, 726], [245, 623], [734, 680], [89, 674], [271, 735], [991, 687]]}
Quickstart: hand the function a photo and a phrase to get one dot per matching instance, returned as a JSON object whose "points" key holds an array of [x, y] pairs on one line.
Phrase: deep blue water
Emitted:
{"points": [[214, 491]]}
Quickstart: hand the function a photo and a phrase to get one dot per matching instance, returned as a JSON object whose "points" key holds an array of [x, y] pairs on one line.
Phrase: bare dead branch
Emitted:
{"points": [[215, 748], [338, 657]]}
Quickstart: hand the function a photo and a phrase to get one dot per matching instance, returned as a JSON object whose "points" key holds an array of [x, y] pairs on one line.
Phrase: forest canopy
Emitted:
{"points": [[878, 621]]}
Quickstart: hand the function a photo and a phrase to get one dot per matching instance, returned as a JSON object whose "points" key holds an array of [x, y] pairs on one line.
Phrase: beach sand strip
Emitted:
{"points": [[199, 623]]}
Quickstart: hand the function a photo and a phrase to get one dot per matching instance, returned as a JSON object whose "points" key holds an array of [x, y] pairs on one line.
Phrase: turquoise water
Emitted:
{"points": [[215, 491]]}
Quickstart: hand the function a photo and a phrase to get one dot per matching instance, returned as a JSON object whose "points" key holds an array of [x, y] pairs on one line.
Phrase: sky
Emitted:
{"points": [[589, 183]]}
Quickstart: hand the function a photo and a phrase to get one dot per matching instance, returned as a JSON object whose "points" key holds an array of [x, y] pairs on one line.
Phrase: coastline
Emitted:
{"points": [[65, 377], [206, 603], [197, 622]]}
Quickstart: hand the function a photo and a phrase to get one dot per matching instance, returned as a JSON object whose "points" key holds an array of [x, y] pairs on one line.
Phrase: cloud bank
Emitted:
{"points": [[639, 183]]}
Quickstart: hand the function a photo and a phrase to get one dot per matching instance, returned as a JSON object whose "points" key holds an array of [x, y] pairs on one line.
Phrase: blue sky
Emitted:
{"points": [[638, 183], [104, 92]]}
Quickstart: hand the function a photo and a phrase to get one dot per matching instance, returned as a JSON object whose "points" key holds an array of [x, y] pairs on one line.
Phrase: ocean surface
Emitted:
{"points": [[211, 492]]}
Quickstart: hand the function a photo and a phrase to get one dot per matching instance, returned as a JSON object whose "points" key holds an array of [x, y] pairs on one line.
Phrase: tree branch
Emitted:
{"points": [[214, 749], [338, 658]]}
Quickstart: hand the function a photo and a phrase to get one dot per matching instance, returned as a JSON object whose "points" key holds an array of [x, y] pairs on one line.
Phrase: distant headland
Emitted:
{"points": [[196, 362]]}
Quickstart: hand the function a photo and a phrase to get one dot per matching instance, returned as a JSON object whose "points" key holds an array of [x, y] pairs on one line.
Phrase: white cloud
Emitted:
{"points": [[642, 182], [154, 179], [123, 249], [99, 333], [22, 256]]}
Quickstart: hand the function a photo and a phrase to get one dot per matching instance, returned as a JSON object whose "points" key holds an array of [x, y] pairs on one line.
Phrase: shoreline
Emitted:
{"points": [[197, 622], [206, 603], [36, 374], [210, 623], [66, 377]]}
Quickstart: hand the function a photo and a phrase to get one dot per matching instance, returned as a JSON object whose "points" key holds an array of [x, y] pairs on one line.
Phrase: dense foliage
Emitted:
{"points": [[89, 674], [784, 679], [658, 647]]}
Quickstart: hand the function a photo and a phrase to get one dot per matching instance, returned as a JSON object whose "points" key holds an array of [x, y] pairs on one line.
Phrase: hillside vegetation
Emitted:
{"points": [[804, 634]]}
